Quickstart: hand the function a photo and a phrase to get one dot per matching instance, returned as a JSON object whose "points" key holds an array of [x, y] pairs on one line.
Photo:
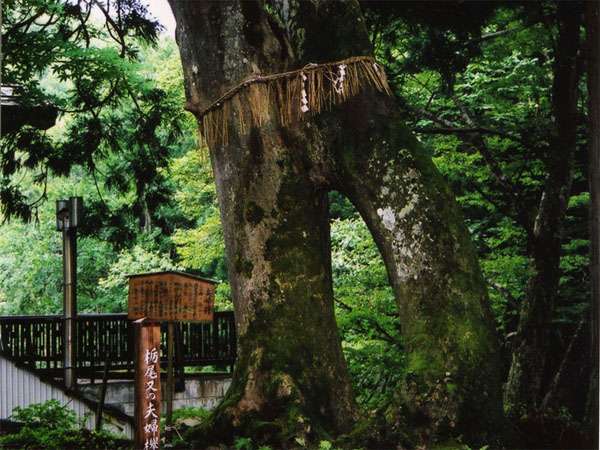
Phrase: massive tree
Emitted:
{"points": [[290, 379]]}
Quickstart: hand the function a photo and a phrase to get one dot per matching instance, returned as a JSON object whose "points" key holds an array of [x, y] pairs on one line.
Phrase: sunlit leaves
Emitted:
{"points": [[366, 313], [113, 287], [87, 49]]}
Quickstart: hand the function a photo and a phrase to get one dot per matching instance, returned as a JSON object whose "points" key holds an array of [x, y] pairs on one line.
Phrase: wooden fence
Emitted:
{"points": [[37, 342]]}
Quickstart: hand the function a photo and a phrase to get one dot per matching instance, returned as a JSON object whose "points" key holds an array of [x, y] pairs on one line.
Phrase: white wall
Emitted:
{"points": [[205, 392], [19, 387]]}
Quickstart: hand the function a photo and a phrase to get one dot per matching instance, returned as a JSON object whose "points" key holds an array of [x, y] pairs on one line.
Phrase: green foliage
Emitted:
{"points": [[31, 267], [325, 445], [54, 427], [366, 313], [49, 414], [182, 419], [116, 238], [491, 127], [113, 287], [190, 412], [413, 36], [202, 245], [91, 65], [243, 443], [498, 173]]}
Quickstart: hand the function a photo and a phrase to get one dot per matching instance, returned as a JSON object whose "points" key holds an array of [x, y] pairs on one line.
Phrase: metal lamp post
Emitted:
{"points": [[68, 217]]}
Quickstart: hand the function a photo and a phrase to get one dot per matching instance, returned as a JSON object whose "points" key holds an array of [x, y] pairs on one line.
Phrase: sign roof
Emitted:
{"points": [[174, 272]]}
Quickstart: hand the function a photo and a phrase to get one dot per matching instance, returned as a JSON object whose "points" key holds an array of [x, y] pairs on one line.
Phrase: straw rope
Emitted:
{"points": [[295, 94]]}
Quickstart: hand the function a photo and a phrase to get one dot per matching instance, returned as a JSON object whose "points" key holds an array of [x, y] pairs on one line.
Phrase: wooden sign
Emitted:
{"points": [[175, 296], [147, 385]]}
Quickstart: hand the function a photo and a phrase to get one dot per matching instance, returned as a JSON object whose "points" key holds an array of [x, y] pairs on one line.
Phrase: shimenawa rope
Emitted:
{"points": [[313, 88]]}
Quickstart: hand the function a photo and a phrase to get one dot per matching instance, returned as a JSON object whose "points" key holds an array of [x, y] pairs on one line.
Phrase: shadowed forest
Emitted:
{"points": [[407, 271]]}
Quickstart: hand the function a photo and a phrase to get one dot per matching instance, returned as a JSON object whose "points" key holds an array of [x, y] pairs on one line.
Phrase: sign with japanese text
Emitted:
{"points": [[147, 385], [170, 296]]}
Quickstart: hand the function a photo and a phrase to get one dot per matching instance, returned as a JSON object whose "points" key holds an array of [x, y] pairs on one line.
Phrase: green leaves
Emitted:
{"points": [[366, 313], [53, 426], [80, 57], [114, 286], [50, 414], [133, 156]]}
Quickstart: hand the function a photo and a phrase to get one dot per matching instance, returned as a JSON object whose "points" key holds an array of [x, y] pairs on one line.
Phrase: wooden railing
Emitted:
{"points": [[37, 342], [101, 338]]}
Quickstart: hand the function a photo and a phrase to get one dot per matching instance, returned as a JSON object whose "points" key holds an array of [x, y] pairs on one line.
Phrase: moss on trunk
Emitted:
{"points": [[453, 382], [453, 387], [290, 379]]}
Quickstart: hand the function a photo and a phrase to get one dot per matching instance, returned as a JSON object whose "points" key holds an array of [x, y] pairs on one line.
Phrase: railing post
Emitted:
{"points": [[39, 341], [180, 383], [215, 336], [170, 379], [232, 340]]}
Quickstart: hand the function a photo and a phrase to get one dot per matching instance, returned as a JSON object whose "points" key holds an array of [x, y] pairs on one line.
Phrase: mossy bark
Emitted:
{"points": [[290, 381], [453, 385], [290, 377]]}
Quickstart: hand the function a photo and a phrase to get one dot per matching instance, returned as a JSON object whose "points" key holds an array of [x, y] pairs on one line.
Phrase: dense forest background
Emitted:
{"points": [[480, 90]]}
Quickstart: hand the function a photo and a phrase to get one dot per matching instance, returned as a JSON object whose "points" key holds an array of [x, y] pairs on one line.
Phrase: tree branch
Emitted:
{"points": [[384, 335], [460, 130], [561, 369], [24, 23]]}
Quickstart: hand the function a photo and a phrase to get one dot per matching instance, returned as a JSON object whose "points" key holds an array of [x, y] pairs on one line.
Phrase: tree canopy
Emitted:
{"points": [[495, 93]]}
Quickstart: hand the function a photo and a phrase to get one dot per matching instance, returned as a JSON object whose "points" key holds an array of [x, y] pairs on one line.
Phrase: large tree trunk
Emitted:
{"points": [[290, 377], [527, 377], [453, 381], [454, 386], [272, 185], [290, 373], [593, 82]]}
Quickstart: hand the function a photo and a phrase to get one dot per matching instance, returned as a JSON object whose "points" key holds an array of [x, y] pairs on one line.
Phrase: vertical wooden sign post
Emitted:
{"points": [[147, 384], [155, 297]]}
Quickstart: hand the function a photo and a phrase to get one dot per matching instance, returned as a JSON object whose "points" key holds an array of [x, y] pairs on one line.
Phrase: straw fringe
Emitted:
{"points": [[250, 103]]}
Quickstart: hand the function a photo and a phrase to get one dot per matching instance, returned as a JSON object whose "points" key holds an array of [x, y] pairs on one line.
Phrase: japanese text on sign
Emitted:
{"points": [[152, 410]]}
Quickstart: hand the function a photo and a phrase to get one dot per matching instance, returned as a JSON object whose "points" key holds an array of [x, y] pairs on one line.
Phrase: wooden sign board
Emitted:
{"points": [[171, 296], [147, 385]]}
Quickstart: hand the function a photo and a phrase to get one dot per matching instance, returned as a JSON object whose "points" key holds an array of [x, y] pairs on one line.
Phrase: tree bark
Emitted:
{"points": [[272, 185], [527, 376], [290, 377], [593, 83], [453, 383]]}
